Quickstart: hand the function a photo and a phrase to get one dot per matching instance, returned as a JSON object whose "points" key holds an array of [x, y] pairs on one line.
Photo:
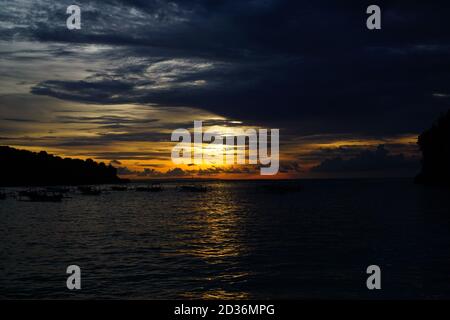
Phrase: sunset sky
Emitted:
{"points": [[348, 101]]}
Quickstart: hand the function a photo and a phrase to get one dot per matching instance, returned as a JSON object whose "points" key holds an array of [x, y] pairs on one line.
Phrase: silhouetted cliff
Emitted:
{"points": [[435, 146], [25, 168]]}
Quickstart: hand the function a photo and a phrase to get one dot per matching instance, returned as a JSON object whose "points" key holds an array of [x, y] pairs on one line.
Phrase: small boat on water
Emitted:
{"points": [[152, 188], [89, 191], [61, 190], [119, 188], [46, 197], [29, 192], [39, 196], [193, 188]]}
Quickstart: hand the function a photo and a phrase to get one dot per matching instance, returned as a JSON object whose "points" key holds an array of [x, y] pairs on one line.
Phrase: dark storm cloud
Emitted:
{"points": [[369, 160], [290, 167], [106, 120], [284, 63], [19, 120], [152, 173], [100, 91], [144, 155], [107, 138]]}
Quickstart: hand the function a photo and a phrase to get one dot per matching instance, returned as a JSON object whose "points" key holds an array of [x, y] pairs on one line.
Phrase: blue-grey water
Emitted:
{"points": [[239, 240]]}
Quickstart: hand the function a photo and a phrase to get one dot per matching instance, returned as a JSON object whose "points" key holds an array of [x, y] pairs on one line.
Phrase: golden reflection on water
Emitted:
{"points": [[216, 239], [216, 227], [217, 295]]}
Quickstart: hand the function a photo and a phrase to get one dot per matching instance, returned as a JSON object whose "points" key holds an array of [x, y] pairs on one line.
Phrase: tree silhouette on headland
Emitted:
{"points": [[26, 168], [435, 146]]}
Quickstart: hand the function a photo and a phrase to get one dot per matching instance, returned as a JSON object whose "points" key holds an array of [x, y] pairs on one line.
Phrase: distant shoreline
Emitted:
{"points": [[26, 168]]}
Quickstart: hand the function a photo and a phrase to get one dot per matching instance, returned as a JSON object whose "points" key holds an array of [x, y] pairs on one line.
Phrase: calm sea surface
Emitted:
{"points": [[240, 240]]}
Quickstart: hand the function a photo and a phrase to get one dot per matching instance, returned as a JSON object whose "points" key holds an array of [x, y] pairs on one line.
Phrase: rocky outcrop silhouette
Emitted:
{"points": [[435, 146], [26, 168]]}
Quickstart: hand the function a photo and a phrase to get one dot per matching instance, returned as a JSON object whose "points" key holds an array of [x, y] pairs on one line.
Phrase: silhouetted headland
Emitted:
{"points": [[26, 168], [435, 146]]}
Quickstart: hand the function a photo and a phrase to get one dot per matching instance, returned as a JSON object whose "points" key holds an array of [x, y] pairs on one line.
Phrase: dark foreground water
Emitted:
{"points": [[236, 241]]}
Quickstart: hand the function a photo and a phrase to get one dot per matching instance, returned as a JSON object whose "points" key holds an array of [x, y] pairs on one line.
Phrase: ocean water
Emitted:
{"points": [[240, 240]]}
